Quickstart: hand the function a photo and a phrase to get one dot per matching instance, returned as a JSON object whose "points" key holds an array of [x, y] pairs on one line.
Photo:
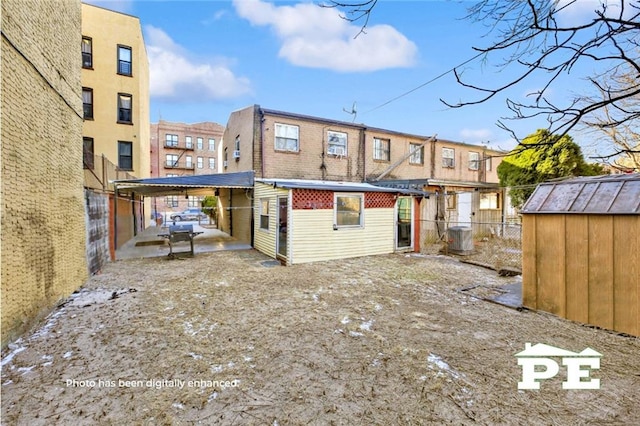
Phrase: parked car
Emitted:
{"points": [[188, 214]]}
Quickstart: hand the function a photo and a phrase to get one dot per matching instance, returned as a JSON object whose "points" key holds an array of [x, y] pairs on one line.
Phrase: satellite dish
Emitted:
{"points": [[354, 111]]}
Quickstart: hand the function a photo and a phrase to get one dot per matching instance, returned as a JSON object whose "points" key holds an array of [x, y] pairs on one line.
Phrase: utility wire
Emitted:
{"points": [[426, 83]]}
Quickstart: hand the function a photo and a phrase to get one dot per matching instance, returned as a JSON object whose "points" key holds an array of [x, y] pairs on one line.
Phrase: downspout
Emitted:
{"points": [[231, 212], [363, 149], [261, 115]]}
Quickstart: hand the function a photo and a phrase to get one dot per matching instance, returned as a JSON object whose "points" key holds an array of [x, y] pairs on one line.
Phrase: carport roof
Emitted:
{"points": [[181, 184]]}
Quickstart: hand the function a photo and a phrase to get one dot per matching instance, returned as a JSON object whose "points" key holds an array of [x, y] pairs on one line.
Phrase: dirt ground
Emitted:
{"points": [[222, 338]]}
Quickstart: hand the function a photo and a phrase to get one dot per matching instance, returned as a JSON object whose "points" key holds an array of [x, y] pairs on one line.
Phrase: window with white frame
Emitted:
{"points": [[212, 144], [188, 142], [200, 162], [474, 160], [287, 137], [381, 149], [87, 52], [171, 140], [188, 161], [264, 213], [172, 160], [349, 210], [418, 153], [171, 200], [337, 143], [212, 163], [448, 158], [124, 60], [487, 164], [489, 201], [199, 142], [194, 201]]}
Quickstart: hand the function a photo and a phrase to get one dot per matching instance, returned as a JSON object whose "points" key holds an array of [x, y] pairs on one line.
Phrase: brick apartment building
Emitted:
{"points": [[180, 149]]}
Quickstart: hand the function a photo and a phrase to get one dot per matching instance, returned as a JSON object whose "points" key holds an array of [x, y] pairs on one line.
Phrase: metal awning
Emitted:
{"points": [[335, 186], [181, 185]]}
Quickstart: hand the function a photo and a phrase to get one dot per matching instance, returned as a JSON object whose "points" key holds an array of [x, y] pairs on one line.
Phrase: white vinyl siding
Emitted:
{"points": [[264, 240]]}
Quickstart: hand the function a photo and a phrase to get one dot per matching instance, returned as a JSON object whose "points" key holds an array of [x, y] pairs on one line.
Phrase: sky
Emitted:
{"points": [[209, 58]]}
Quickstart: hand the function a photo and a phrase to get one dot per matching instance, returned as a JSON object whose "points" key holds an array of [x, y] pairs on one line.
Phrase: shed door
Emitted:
{"points": [[464, 209], [283, 225], [404, 221]]}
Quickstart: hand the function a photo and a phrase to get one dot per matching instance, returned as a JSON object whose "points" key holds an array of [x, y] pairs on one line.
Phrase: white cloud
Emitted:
{"points": [[317, 37], [174, 76], [475, 135], [579, 12]]}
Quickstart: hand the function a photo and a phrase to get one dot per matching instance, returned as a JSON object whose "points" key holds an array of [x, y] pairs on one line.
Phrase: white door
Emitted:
{"points": [[464, 209]]}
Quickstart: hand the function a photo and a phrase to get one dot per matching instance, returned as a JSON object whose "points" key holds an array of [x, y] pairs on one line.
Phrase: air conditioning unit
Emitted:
{"points": [[236, 154], [225, 164], [460, 240], [335, 150]]}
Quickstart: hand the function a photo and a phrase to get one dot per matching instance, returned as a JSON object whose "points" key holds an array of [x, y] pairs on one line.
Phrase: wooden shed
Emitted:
{"points": [[581, 251]]}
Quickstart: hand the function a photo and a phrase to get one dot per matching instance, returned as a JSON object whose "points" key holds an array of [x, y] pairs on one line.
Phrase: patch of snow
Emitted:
{"points": [[8, 382], [178, 405], [315, 298], [377, 307], [231, 364], [442, 365], [423, 378], [195, 356], [67, 354], [25, 370], [217, 368], [355, 334], [345, 320], [248, 358], [14, 351], [213, 396], [366, 326], [51, 321]]}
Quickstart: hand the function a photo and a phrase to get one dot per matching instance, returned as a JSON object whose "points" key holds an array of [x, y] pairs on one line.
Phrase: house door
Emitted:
{"points": [[404, 223], [283, 225], [464, 209]]}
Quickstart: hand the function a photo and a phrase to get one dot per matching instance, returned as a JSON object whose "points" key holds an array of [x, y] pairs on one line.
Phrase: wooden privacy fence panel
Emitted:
{"points": [[584, 268]]}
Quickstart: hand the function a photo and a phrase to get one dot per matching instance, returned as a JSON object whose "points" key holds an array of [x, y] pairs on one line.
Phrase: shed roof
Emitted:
{"points": [[323, 185], [609, 194], [178, 184]]}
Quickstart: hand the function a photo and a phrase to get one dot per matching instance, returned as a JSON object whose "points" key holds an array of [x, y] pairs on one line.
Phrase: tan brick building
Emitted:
{"points": [[181, 149], [43, 216]]}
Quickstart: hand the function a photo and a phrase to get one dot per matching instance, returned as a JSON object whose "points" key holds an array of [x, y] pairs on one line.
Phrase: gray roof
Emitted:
{"points": [[178, 184], [609, 194], [325, 185]]}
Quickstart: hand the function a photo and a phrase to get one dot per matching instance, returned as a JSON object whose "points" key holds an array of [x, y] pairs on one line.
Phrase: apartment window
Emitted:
{"points": [[381, 149], [87, 52], [264, 214], [171, 201], [87, 103], [487, 164], [200, 162], [337, 143], [212, 163], [87, 153], [171, 140], [124, 60], [172, 160], [418, 153], [171, 175], [125, 155], [474, 161], [124, 108], [448, 158], [287, 137], [489, 201], [188, 160], [188, 142], [194, 201], [348, 210], [212, 144], [199, 143]]}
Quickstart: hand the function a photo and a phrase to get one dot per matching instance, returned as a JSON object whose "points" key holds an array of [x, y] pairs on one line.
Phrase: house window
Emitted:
{"points": [[87, 103], [448, 158], [124, 108], [381, 149], [489, 201], [188, 161], [474, 161], [188, 142], [171, 140], [418, 153], [348, 210], [287, 137], [264, 213], [87, 153], [171, 201], [124, 60], [194, 201], [172, 160], [337, 143], [451, 199], [212, 163], [200, 162], [125, 155], [212, 144], [199, 143], [87, 52], [487, 164]]}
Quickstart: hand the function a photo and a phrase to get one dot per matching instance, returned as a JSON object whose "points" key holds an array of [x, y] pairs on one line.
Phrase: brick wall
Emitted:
{"points": [[43, 216]]}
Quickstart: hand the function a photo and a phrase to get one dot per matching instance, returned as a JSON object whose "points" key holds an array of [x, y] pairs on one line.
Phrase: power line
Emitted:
{"points": [[426, 83]]}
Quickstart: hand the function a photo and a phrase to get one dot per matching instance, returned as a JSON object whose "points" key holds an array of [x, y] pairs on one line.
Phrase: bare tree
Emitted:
{"points": [[530, 37]]}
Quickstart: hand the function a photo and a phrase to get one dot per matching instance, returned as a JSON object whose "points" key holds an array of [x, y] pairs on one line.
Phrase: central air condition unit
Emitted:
{"points": [[460, 240], [236, 154], [335, 150]]}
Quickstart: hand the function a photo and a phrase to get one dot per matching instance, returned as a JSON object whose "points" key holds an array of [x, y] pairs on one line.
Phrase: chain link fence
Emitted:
{"points": [[497, 245]]}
